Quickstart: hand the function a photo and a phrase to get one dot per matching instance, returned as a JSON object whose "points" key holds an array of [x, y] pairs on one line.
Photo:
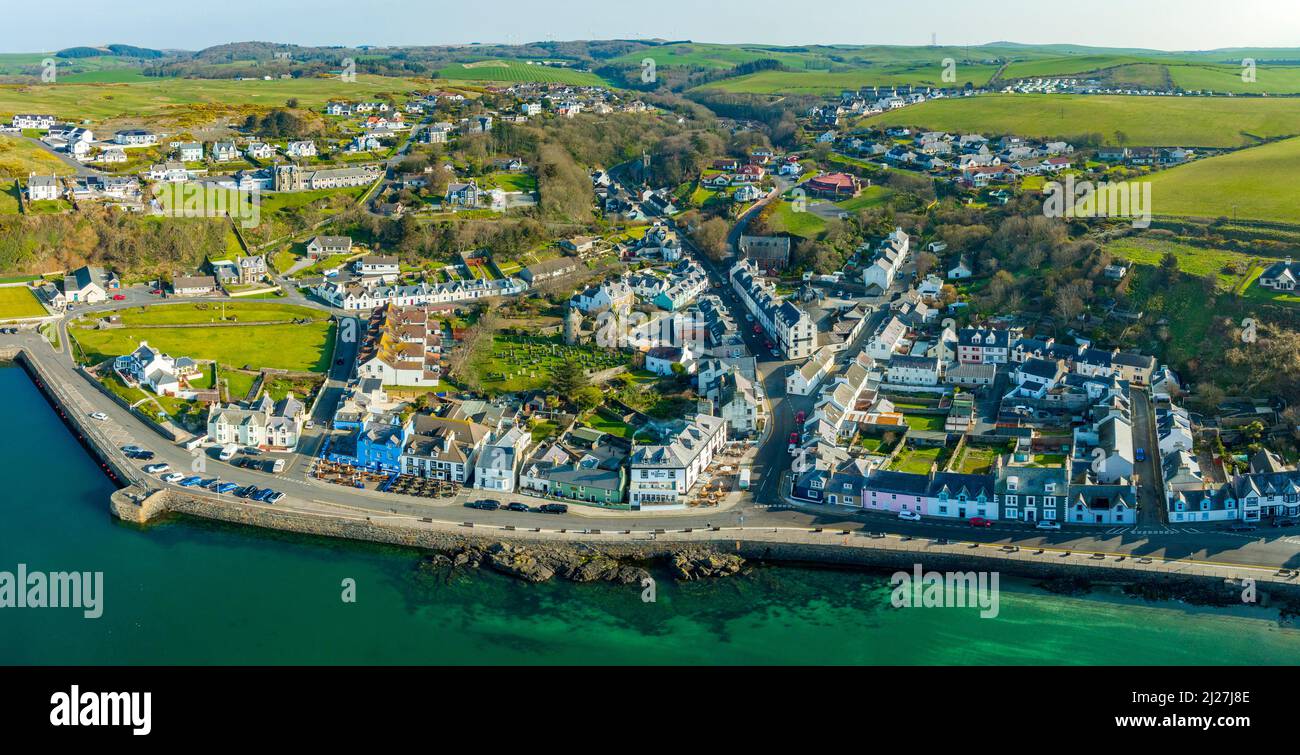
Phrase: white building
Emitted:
{"points": [[662, 476], [496, 467]]}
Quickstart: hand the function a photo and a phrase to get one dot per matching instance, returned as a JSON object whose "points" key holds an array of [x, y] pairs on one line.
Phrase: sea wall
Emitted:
{"points": [[838, 548]]}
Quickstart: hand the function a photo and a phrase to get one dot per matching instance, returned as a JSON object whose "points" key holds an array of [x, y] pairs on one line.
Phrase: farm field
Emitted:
{"points": [[17, 302], [186, 101], [304, 347], [832, 82], [1145, 121], [1066, 65], [20, 158], [1256, 183], [515, 70], [1227, 78]]}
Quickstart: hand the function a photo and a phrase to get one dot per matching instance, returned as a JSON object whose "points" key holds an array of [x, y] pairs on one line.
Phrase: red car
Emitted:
{"points": [[119, 297], [156, 291], [794, 437], [769, 344], [800, 417], [979, 521], [758, 328]]}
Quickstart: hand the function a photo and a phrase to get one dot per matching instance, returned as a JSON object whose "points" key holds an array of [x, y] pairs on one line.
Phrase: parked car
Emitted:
{"points": [[517, 506], [174, 477], [799, 417], [228, 452], [156, 468], [485, 505], [265, 496], [1284, 521], [794, 437], [1242, 527], [979, 521], [227, 487], [1047, 524], [128, 450], [119, 297], [190, 482], [554, 508], [1140, 454], [909, 515], [141, 455], [246, 492], [98, 416], [275, 497], [277, 466], [156, 292]]}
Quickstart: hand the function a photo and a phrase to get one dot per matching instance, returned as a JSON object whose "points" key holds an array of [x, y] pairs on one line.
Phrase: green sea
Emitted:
{"points": [[191, 592]]}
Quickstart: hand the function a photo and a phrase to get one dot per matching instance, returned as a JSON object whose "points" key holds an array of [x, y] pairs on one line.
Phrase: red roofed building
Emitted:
{"points": [[835, 185]]}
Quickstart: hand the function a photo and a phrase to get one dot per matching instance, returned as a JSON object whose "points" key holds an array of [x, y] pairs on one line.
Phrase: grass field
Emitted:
{"points": [[303, 347], [19, 158], [199, 313], [783, 218], [872, 196], [1256, 183], [1193, 260], [17, 302], [1227, 78], [186, 101], [516, 70], [1146, 121], [833, 82]]}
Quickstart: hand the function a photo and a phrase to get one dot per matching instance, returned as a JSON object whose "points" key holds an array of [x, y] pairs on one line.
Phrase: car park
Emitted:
{"points": [[553, 508], [517, 506], [1047, 524], [909, 515]]}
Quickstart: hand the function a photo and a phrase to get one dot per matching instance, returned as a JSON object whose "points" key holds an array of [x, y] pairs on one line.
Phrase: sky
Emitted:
{"points": [[1158, 24]]}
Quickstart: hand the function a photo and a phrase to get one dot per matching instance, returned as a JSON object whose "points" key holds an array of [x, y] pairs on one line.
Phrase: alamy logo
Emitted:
{"points": [[195, 200], [61, 589], [946, 590], [77, 708], [1085, 199]]}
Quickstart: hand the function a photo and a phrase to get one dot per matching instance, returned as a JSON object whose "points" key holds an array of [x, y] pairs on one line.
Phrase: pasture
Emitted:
{"points": [[516, 70], [187, 101], [815, 82], [1144, 121], [1255, 184]]}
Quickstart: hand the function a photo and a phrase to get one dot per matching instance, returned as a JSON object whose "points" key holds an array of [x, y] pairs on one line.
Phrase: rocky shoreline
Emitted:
{"points": [[542, 563]]}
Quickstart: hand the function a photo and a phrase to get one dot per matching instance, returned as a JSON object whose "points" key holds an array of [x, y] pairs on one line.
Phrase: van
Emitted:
{"points": [[228, 452]]}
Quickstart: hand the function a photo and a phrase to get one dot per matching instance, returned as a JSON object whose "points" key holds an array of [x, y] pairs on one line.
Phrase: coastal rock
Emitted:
{"points": [[518, 562], [688, 565]]}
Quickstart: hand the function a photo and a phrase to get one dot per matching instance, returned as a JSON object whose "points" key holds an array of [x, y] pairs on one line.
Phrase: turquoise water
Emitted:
{"points": [[190, 592]]}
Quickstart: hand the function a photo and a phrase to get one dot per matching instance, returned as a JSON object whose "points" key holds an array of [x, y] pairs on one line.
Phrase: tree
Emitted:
{"points": [[925, 262], [588, 398], [567, 378]]}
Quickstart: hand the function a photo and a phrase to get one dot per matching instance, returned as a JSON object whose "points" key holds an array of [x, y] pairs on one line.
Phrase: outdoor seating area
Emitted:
{"points": [[345, 474], [422, 487]]}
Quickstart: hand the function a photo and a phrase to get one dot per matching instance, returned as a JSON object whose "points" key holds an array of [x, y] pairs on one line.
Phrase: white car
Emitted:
{"points": [[1047, 524], [909, 515], [174, 477], [99, 416], [156, 468]]}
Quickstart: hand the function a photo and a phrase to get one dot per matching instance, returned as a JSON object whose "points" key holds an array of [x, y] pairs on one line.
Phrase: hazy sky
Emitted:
{"points": [[1163, 24]]}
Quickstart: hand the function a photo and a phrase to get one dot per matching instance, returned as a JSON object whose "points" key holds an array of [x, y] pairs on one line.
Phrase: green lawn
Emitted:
{"points": [[290, 347], [197, 313], [976, 459], [1256, 183], [872, 196], [18, 302], [924, 422], [1145, 121], [804, 224], [916, 460]]}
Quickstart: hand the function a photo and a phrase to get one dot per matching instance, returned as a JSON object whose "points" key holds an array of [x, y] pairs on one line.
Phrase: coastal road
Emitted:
{"points": [[1266, 547]]}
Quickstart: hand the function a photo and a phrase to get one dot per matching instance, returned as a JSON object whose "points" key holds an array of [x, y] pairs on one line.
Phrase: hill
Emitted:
{"points": [[1255, 184], [1145, 121]]}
